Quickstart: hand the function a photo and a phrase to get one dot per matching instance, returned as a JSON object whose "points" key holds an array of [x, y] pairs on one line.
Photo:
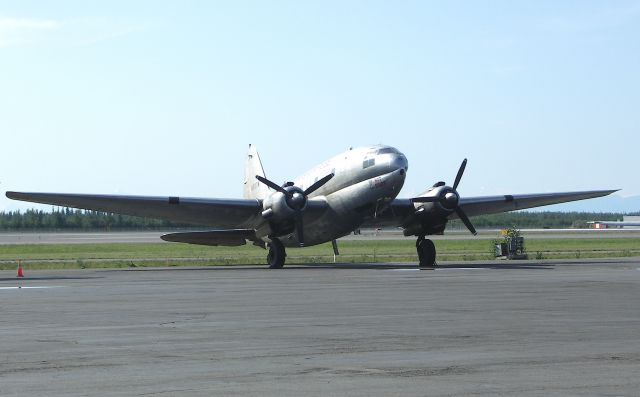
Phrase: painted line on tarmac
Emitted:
{"points": [[42, 287]]}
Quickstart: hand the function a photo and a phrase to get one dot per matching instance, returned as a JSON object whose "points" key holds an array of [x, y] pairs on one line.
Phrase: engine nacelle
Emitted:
{"points": [[432, 209], [279, 206], [445, 200], [284, 209], [424, 222]]}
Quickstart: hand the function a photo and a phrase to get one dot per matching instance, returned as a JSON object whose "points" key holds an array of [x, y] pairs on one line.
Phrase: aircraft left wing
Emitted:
{"points": [[494, 204], [218, 213], [402, 212]]}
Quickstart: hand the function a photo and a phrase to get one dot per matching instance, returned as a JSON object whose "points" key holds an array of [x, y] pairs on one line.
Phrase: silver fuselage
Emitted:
{"points": [[365, 180]]}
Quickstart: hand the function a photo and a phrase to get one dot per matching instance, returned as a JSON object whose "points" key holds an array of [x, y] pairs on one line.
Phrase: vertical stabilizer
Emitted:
{"points": [[253, 166]]}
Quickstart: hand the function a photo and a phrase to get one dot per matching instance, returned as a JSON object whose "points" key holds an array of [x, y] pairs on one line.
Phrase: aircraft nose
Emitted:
{"points": [[398, 162]]}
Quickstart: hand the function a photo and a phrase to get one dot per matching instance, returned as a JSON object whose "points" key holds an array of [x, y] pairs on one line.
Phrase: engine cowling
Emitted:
{"points": [[432, 209], [434, 206], [284, 208], [279, 206], [440, 199]]}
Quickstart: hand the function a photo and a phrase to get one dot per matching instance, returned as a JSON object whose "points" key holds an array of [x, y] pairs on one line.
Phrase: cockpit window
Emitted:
{"points": [[387, 150]]}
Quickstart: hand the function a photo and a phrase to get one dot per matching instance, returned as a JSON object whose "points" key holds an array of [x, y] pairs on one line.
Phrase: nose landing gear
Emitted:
{"points": [[426, 252]]}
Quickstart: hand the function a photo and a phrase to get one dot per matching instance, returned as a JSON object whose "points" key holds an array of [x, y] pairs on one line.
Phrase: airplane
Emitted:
{"points": [[357, 188]]}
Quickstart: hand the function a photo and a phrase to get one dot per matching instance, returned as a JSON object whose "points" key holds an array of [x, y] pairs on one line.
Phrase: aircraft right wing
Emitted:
{"points": [[218, 213]]}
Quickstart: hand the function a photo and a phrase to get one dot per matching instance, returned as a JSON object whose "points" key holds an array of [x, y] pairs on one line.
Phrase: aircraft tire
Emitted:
{"points": [[276, 255], [426, 252]]}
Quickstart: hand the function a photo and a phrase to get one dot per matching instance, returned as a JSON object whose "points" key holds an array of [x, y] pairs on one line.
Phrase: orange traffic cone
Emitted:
{"points": [[19, 274]]}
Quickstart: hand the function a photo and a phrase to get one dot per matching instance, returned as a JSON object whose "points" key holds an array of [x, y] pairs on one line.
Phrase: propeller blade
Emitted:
{"points": [[299, 229], [459, 175], [272, 185], [463, 217], [431, 199], [318, 184]]}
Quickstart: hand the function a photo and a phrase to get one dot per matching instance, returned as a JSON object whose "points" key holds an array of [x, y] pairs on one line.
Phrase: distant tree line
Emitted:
{"points": [[538, 220], [73, 219]]}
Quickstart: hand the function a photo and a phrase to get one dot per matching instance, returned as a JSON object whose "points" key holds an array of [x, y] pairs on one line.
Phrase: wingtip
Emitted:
{"points": [[21, 196], [168, 237]]}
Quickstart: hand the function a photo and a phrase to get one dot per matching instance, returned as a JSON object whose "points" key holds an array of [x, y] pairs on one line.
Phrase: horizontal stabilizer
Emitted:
{"points": [[229, 238]]}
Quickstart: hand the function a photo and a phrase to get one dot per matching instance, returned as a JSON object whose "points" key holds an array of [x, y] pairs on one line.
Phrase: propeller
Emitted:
{"points": [[296, 199], [450, 199]]}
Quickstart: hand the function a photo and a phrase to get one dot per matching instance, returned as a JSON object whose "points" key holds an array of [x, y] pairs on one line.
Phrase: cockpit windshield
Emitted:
{"points": [[387, 150]]}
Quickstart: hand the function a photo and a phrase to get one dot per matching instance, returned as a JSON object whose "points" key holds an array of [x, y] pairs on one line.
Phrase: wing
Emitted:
{"points": [[403, 212], [217, 213], [473, 206], [214, 237]]}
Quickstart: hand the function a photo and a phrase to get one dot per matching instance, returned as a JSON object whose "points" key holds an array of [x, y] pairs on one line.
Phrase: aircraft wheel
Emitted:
{"points": [[276, 255], [426, 252]]}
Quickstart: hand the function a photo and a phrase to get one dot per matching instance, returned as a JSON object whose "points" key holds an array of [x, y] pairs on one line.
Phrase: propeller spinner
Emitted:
{"points": [[450, 199]]}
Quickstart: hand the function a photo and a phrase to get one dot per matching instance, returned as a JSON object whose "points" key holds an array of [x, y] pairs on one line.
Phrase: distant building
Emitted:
{"points": [[628, 222], [633, 222]]}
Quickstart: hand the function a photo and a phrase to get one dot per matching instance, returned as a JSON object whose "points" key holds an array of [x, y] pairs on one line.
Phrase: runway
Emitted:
{"points": [[7, 238], [472, 328]]}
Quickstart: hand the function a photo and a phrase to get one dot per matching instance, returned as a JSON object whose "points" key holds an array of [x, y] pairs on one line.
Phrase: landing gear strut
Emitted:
{"points": [[426, 252], [276, 255]]}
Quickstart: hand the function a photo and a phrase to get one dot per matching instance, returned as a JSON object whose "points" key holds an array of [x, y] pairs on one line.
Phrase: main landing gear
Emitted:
{"points": [[276, 255], [426, 252]]}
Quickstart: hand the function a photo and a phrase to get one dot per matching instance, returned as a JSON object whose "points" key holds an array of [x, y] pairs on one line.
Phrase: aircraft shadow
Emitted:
{"points": [[411, 266], [499, 266], [363, 266]]}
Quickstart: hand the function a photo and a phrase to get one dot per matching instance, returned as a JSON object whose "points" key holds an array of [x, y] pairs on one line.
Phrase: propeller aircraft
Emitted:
{"points": [[357, 188]]}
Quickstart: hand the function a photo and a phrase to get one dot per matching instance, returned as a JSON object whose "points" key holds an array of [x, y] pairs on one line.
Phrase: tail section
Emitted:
{"points": [[253, 189]]}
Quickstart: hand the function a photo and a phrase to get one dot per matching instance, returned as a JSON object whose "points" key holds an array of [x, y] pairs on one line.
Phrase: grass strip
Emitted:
{"points": [[119, 255]]}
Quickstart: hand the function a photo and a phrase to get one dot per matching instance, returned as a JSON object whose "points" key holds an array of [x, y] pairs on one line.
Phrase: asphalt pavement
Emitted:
{"points": [[465, 329]]}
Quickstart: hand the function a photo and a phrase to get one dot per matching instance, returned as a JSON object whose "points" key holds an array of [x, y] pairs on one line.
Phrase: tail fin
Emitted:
{"points": [[253, 189]]}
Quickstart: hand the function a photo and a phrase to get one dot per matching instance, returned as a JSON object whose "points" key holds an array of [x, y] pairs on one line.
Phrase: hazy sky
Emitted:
{"points": [[163, 98]]}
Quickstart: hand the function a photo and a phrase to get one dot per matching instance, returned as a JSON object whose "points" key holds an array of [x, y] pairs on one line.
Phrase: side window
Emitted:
{"points": [[368, 163]]}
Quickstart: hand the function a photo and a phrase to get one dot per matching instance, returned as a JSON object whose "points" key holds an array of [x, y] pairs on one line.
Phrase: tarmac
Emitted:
{"points": [[466, 329], [8, 238]]}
